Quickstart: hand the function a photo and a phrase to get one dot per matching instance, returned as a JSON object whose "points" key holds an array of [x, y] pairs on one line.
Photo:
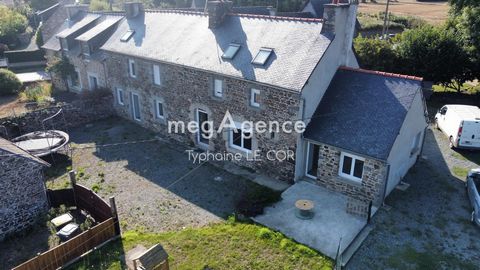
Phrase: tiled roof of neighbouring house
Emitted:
{"points": [[363, 111], [184, 38], [12, 149]]}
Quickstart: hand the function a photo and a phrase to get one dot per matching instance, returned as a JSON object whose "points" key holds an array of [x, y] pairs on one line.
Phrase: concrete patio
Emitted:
{"points": [[323, 232]]}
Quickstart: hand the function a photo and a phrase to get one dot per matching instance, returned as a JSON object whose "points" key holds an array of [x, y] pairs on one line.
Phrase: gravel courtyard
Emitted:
{"points": [[156, 187], [428, 225]]}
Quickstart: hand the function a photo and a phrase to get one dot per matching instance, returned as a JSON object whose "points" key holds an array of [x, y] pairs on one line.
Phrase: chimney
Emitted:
{"points": [[74, 9], [217, 10], [133, 9], [340, 18]]}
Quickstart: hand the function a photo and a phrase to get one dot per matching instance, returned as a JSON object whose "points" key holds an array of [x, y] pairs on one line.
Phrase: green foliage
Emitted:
{"points": [[99, 5], [370, 21], [61, 66], [9, 83], [40, 92], [459, 5], [11, 23], [42, 4], [375, 53], [265, 233], [39, 37]]}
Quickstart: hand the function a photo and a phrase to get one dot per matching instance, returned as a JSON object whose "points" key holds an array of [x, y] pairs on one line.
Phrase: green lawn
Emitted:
{"points": [[469, 88], [229, 245]]}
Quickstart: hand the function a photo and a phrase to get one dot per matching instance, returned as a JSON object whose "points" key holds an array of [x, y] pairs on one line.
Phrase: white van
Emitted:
{"points": [[461, 123]]}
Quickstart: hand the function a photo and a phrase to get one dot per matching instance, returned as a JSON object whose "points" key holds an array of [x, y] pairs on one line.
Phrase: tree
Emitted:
{"points": [[374, 53], [436, 54], [11, 24], [9, 82], [458, 5]]}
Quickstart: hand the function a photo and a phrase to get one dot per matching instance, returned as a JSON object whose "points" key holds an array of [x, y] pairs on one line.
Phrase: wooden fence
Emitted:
{"points": [[73, 248], [85, 199]]}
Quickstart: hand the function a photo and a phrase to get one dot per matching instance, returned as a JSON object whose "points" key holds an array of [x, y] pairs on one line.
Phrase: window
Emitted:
{"points": [[254, 97], [92, 82], [135, 99], [218, 87], [159, 109], [157, 80], [120, 96], [241, 139], [85, 48], [127, 35], [231, 51], [203, 135], [64, 44], [131, 68], [416, 143], [262, 56], [351, 167], [74, 80]]}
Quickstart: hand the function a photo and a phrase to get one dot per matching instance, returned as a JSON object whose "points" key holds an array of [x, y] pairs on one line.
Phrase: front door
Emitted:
{"points": [[313, 152], [202, 135]]}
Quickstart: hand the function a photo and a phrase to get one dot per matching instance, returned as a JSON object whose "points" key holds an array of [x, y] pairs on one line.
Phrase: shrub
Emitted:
{"points": [[11, 23], [38, 36], [40, 92], [9, 83], [99, 5], [375, 53], [61, 66], [265, 233]]}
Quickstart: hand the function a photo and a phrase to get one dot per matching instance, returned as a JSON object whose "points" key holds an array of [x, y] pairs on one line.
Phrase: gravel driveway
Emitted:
{"points": [[155, 185], [428, 225]]}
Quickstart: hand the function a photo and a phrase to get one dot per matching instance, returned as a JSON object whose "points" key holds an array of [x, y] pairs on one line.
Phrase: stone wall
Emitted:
{"points": [[76, 113], [373, 181], [23, 196], [184, 90]]}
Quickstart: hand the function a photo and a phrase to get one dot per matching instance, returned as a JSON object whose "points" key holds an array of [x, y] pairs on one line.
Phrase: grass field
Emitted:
{"points": [[434, 12], [229, 245]]}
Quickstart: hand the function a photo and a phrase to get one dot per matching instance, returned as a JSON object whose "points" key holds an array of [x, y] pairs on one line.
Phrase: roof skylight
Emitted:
{"points": [[127, 35], [262, 56], [231, 51]]}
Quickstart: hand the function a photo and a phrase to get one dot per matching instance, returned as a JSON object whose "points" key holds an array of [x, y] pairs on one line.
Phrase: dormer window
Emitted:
{"points": [[262, 56], [231, 51], [64, 44], [127, 35], [85, 49]]}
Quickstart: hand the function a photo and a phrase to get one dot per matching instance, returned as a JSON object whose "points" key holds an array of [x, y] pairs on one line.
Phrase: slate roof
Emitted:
{"points": [[363, 111], [73, 28], [11, 148], [184, 38], [107, 22]]}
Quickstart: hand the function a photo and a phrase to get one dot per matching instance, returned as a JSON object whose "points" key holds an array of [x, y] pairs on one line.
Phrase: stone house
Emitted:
{"points": [[79, 39], [22, 187], [167, 66]]}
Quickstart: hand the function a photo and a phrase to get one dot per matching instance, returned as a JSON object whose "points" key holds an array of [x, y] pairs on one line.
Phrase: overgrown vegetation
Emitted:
{"points": [[370, 21], [9, 83], [11, 24], [99, 5], [61, 66], [230, 245], [39, 92]]}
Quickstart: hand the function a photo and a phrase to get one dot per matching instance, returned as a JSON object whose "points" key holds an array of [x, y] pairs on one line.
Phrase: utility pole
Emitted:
{"points": [[384, 30]]}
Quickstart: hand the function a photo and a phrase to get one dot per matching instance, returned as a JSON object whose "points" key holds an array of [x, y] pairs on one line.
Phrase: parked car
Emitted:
{"points": [[473, 189], [461, 123]]}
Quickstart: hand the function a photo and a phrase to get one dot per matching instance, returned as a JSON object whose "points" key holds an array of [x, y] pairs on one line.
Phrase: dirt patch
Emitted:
{"points": [[432, 12]]}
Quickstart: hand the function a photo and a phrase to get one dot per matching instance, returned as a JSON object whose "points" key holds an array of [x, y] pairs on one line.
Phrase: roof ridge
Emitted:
{"points": [[175, 11], [284, 18], [382, 73], [114, 13]]}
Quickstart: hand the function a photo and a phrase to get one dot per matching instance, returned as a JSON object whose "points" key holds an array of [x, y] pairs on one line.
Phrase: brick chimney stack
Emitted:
{"points": [[217, 10]]}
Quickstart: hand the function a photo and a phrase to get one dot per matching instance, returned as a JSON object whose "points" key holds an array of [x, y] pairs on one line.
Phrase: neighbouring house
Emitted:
{"points": [[177, 65], [79, 39], [22, 187]]}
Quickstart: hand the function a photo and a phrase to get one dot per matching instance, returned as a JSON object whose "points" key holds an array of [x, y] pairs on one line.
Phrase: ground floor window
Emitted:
{"points": [[93, 82], [74, 80], [241, 139], [313, 153], [120, 96], [351, 167], [135, 100], [203, 135], [159, 109]]}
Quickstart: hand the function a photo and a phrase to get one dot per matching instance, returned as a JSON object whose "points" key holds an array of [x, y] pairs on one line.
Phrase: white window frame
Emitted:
{"points": [[132, 71], [136, 117], [218, 83], [89, 82], [254, 92], [241, 147], [352, 169], [157, 111], [157, 75], [120, 100]]}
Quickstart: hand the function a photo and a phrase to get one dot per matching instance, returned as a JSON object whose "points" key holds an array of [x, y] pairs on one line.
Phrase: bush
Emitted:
{"points": [[11, 24], [99, 5], [9, 83], [265, 233], [40, 92], [39, 37], [375, 53]]}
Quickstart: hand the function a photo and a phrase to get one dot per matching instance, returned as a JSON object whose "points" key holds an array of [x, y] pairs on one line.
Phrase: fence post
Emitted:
{"points": [[113, 208], [73, 181]]}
